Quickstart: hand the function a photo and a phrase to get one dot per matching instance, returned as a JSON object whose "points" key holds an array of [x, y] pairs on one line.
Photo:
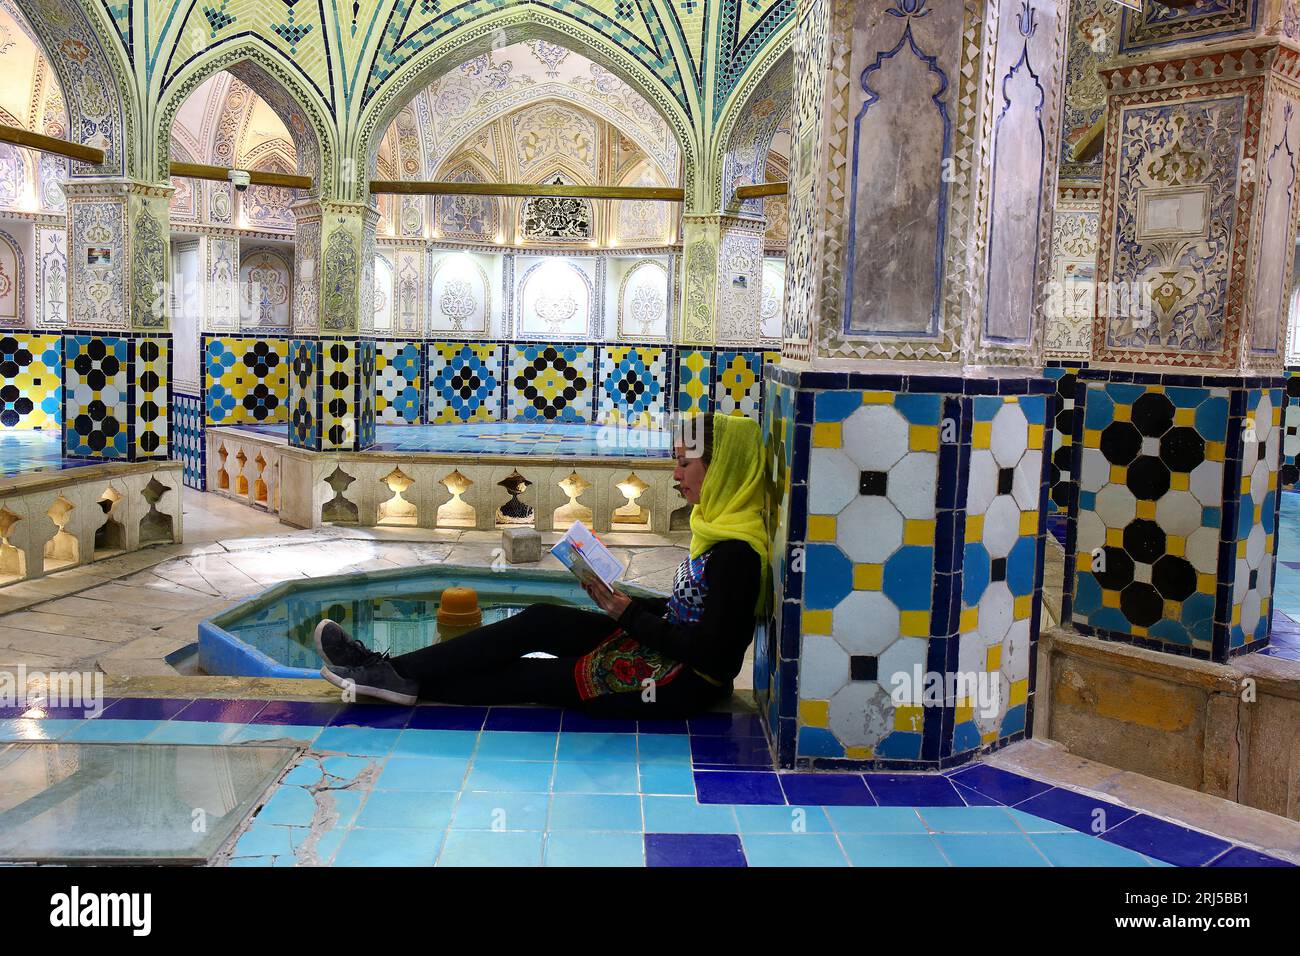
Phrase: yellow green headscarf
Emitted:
{"points": [[732, 499]]}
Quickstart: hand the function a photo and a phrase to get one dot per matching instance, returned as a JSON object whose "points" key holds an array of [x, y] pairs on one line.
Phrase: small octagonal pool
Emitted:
{"points": [[270, 635]]}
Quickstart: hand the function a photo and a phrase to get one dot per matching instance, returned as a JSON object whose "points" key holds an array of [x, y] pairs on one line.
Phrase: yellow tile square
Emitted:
{"points": [[1109, 598], [964, 713], [1115, 537], [1241, 548], [827, 435], [867, 577], [1023, 607], [859, 753], [1019, 692], [1176, 545], [914, 623], [918, 531], [1173, 610], [1138, 631], [1118, 474], [877, 398], [1123, 413], [1185, 417], [970, 619], [1205, 583], [1035, 436], [1214, 450], [923, 438], [993, 657], [814, 713], [1028, 523], [908, 718], [1179, 480], [988, 737], [981, 435], [1236, 614], [1146, 509], [816, 622], [821, 527], [1091, 438], [974, 527]]}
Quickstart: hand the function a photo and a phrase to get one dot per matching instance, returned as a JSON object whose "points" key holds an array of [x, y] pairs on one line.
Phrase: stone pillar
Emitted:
{"points": [[332, 349], [1173, 528], [117, 350], [907, 424]]}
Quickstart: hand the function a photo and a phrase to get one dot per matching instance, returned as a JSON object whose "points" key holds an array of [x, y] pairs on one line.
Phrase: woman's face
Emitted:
{"points": [[689, 474]]}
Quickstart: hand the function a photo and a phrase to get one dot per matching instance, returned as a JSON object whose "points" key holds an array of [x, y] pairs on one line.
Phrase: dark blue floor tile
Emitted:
{"points": [[57, 713], [731, 752], [145, 708], [576, 722], [387, 716], [1002, 785], [693, 849], [913, 790], [829, 789], [1240, 856], [305, 712], [225, 711], [738, 786], [727, 725], [447, 717], [974, 798], [1075, 810], [661, 726], [539, 719], [1166, 841]]}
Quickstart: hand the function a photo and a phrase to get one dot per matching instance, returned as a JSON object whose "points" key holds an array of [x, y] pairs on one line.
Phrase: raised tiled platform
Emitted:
{"points": [[442, 785]]}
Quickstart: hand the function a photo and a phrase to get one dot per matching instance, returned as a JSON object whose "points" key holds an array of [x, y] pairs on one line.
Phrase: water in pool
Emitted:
{"points": [[397, 614]]}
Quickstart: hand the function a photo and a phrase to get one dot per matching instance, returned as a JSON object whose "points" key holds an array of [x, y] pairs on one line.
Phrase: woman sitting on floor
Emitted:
{"points": [[690, 646]]}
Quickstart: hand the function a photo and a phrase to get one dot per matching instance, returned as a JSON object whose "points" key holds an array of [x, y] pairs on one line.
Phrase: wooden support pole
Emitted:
{"points": [[255, 177], [404, 187], [762, 189], [48, 144]]}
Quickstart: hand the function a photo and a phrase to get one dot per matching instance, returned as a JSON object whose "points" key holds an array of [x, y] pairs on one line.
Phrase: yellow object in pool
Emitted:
{"points": [[458, 612]]}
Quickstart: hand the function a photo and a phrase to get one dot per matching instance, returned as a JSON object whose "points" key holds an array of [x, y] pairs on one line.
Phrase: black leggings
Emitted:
{"points": [[487, 666]]}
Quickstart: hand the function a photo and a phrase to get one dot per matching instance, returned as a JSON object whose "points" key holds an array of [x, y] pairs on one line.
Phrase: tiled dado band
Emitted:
{"points": [[1173, 523], [331, 393], [908, 553], [107, 392], [1064, 374]]}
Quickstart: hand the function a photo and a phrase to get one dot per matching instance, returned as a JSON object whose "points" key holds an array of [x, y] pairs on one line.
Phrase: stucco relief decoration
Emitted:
{"points": [[51, 278], [1278, 181], [546, 131], [460, 295], [457, 303], [556, 298], [98, 245], [1174, 218], [148, 270], [700, 265], [382, 300], [341, 283], [771, 309], [11, 298], [1070, 308], [266, 288], [644, 302], [13, 176]]}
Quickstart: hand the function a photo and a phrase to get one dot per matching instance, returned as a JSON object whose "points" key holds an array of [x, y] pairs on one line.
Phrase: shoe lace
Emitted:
{"points": [[366, 655]]}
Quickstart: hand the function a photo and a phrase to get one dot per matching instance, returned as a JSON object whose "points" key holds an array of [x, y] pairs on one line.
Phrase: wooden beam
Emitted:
{"points": [[1089, 142], [48, 144], [762, 189], [408, 187], [255, 177]]}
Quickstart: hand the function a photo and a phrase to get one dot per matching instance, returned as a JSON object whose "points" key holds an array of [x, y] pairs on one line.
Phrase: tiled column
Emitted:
{"points": [[1173, 530], [908, 424], [117, 350], [332, 349]]}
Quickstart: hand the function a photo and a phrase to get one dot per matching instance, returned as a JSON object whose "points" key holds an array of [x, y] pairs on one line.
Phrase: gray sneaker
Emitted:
{"points": [[338, 648], [377, 679]]}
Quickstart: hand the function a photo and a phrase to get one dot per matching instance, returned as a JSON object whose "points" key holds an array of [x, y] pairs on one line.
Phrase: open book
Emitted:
{"points": [[582, 553]]}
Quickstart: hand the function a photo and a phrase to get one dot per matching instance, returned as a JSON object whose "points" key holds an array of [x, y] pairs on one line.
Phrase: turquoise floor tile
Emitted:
{"points": [[288, 806], [263, 839], [423, 773], [595, 811], [407, 809], [875, 820], [1081, 849], [510, 776], [358, 741], [968, 820], [362, 847], [323, 851], [341, 805], [1035, 824], [342, 770], [299, 733], [595, 849], [892, 849], [992, 849], [782, 819], [684, 815], [664, 748], [509, 745], [606, 777], [113, 731], [490, 848], [252, 861], [501, 811], [667, 778], [306, 774], [598, 747], [53, 728], [793, 849], [435, 743], [192, 732]]}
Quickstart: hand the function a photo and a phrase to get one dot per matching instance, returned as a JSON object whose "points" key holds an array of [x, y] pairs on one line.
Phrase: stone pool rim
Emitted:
{"points": [[236, 658]]}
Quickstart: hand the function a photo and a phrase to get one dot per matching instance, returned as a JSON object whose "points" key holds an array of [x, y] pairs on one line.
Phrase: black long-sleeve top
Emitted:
{"points": [[716, 645]]}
